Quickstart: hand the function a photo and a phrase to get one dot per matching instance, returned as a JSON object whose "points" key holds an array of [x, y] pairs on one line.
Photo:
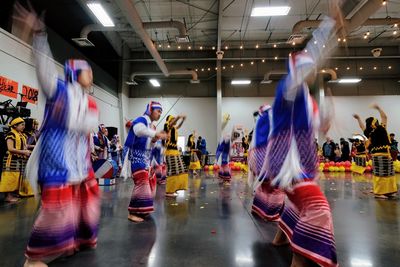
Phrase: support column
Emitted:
{"points": [[219, 101], [123, 93]]}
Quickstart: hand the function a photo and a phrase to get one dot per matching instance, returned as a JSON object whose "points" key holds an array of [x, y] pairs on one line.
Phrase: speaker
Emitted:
{"points": [[111, 132]]}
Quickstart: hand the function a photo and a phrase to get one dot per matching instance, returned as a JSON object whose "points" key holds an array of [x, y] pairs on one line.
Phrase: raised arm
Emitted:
{"points": [[381, 113], [360, 122], [183, 118], [45, 67]]}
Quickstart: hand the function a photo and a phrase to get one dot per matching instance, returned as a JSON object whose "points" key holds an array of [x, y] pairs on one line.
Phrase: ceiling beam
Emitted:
{"points": [[195, 6]]}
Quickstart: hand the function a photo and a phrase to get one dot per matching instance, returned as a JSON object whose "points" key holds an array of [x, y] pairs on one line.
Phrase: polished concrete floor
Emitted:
{"points": [[211, 226]]}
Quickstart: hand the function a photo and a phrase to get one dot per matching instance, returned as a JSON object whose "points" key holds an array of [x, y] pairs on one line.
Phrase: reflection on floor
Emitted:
{"points": [[211, 226]]}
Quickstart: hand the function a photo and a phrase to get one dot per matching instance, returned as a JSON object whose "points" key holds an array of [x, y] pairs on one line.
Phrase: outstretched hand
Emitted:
{"points": [[356, 116], [30, 20], [375, 106]]}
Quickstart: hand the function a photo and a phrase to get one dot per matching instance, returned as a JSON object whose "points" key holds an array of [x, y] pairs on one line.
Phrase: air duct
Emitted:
{"points": [[194, 75], [132, 15]]}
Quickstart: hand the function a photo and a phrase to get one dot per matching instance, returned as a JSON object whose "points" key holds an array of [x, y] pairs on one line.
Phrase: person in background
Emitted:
{"points": [[116, 150], [394, 150], [198, 143], [141, 136], [177, 174], [378, 145], [101, 142], [60, 163], [222, 157], [15, 160], [345, 149], [194, 159], [338, 154], [32, 135], [328, 149]]}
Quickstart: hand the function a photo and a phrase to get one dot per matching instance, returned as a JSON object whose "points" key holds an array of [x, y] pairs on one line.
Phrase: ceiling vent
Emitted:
{"points": [[296, 38], [182, 39], [84, 42]]}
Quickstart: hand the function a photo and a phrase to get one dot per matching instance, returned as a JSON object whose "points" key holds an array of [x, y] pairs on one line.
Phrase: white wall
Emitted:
{"points": [[201, 115], [344, 125], [241, 110], [16, 63]]}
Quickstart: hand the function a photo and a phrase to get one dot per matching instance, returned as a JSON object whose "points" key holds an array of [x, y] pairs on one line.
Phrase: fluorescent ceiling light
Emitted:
{"points": [[269, 11], [155, 83], [349, 80], [101, 14], [240, 82]]}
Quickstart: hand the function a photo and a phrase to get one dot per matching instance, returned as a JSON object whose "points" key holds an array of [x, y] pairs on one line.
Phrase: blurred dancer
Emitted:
{"points": [[291, 157], [222, 157], [268, 201], [194, 159], [60, 164], [138, 144], [157, 162]]}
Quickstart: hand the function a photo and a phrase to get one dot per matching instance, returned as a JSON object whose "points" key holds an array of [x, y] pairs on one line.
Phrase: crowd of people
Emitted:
{"points": [[342, 151]]}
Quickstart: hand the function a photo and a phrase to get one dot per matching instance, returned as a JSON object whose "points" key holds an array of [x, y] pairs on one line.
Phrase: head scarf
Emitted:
{"points": [[101, 127], [16, 121], [73, 67], [153, 105]]}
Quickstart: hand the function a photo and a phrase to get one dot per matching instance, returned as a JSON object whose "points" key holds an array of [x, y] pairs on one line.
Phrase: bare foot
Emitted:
{"points": [[381, 196], [280, 239], [30, 263], [393, 195], [227, 183], [135, 218], [298, 261], [171, 194], [11, 199]]}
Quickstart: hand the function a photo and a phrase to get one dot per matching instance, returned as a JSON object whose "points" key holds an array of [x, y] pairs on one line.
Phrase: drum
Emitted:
{"points": [[105, 168]]}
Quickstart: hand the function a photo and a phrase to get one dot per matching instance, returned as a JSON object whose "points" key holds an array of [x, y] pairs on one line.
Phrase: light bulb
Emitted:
{"points": [[274, 45]]}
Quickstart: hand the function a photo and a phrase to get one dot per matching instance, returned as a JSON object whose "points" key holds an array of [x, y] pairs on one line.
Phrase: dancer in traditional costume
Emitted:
{"points": [[194, 159], [360, 154], [157, 162], [139, 143], [384, 180], [60, 163], [14, 163], [101, 142], [116, 150], [292, 158], [177, 174], [268, 201], [222, 157]]}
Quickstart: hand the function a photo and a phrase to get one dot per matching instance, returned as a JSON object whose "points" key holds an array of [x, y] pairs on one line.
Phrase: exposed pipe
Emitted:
{"points": [[100, 28], [331, 72], [133, 17], [273, 72], [299, 26], [195, 78], [146, 25], [167, 24]]}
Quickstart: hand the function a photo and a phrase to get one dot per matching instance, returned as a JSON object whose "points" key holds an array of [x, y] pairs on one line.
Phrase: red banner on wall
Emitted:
{"points": [[8, 87], [30, 95]]}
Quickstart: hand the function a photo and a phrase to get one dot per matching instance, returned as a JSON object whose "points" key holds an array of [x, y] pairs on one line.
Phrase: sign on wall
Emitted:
{"points": [[30, 95], [8, 87]]}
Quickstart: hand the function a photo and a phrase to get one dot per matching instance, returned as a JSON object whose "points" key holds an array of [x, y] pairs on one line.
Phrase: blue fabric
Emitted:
{"points": [[262, 129], [138, 154], [223, 151], [52, 167]]}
